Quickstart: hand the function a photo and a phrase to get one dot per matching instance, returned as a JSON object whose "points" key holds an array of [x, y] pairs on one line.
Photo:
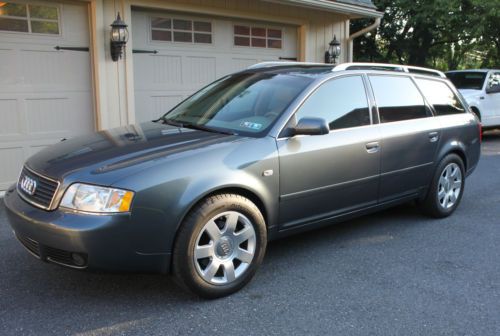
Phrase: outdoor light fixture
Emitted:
{"points": [[119, 37], [333, 51]]}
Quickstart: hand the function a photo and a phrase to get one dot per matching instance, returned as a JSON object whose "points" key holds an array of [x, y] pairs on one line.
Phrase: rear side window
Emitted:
{"points": [[441, 97], [398, 99], [341, 102]]}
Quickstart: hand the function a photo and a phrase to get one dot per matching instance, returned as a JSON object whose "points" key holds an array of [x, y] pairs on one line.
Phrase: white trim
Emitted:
{"points": [[332, 7], [2, 193]]}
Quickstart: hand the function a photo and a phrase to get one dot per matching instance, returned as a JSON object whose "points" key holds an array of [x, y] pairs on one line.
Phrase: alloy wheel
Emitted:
{"points": [[450, 185], [225, 248]]}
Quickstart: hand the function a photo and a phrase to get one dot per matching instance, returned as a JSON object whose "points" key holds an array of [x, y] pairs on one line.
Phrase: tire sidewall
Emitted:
{"points": [[184, 264]]}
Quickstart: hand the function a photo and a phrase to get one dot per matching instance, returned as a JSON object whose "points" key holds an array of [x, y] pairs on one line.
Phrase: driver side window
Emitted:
{"points": [[494, 80], [342, 102]]}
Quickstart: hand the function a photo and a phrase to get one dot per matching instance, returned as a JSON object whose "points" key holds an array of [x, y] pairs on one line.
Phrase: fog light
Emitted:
{"points": [[78, 259]]}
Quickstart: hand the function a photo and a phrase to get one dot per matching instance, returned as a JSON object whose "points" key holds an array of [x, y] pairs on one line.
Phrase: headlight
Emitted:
{"points": [[90, 198]]}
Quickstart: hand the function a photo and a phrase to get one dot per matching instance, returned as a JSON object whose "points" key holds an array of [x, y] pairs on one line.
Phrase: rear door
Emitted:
{"points": [[325, 175], [409, 136]]}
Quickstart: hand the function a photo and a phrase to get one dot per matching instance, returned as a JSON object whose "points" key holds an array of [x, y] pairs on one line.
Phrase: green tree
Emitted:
{"points": [[444, 34]]}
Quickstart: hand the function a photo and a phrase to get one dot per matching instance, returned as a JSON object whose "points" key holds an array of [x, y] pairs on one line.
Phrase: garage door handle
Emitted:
{"points": [[72, 48], [288, 58], [372, 147], [139, 51]]}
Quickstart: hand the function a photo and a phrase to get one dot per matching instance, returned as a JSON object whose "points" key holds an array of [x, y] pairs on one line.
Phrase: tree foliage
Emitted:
{"points": [[444, 34]]}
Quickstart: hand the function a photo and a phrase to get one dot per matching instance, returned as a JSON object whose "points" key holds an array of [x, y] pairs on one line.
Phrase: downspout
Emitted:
{"points": [[363, 31]]}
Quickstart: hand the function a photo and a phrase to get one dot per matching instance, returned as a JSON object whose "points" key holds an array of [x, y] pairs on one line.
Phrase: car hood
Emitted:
{"points": [[467, 93], [120, 151]]}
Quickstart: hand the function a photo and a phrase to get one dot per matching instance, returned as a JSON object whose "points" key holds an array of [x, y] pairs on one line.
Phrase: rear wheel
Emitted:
{"points": [[220, 246], [446, 189]]}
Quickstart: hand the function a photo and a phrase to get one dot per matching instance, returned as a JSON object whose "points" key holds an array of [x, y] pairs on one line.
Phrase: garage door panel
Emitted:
{"points": [[55, 69], [179, 69], [10, 123], [198, 71], [45, 94], [10, 164]]}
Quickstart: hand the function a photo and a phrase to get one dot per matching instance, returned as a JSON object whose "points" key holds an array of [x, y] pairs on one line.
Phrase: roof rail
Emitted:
{"points": [[389, 67], [270, 64]]}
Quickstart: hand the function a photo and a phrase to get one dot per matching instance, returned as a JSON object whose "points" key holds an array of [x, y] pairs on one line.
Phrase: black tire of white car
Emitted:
{"points": [[196, 235]]}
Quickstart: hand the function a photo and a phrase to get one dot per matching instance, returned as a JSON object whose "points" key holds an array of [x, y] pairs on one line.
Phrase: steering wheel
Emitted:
{"points": [[272, 114]]}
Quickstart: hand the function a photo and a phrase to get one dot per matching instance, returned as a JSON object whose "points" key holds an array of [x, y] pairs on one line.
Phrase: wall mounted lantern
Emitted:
{"points": [[119, 37], [333, 51]]}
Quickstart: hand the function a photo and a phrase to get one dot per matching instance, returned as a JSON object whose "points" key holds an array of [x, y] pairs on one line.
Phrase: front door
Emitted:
{"points": [[323, 176]]}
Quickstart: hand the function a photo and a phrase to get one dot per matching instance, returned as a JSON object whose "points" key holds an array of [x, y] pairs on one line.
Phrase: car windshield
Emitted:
{"points": [[467, 80], [243, 103]]}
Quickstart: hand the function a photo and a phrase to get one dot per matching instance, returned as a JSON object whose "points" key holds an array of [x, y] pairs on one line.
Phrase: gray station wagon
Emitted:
{"points": [[259, 154]]}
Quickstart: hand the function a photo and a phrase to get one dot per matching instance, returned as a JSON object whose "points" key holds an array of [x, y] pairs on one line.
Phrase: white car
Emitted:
{"points": [[481, 90]]}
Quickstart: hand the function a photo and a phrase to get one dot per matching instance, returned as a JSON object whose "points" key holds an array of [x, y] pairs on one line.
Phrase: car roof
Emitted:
{"points": [[321, 69], [472, 70]]}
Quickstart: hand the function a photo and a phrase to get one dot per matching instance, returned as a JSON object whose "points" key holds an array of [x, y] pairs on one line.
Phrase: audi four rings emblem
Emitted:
{"points": [[28, 185]]}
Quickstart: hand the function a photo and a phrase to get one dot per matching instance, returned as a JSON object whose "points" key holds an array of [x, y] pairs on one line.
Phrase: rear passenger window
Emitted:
{"points": [[440, 96], [341, 102], [398, 99]]}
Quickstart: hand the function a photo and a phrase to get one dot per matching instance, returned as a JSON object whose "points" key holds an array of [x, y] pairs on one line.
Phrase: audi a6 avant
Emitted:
{"points": [[259, 154]]}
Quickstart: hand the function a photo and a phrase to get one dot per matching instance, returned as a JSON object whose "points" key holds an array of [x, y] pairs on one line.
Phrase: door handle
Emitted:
{"points": [[372, 147], [433, 136]]}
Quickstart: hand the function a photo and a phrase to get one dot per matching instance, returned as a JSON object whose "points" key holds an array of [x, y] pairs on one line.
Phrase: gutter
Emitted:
{"points": [[328, 5], [363, 31]]}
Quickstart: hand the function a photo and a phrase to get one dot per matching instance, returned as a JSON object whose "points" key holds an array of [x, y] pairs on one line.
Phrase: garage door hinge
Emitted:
{"points": [[72, 48], [139, 51]]}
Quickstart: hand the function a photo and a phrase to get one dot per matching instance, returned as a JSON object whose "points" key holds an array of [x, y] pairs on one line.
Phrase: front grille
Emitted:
{"points": [[30, 245], [44, 191]]}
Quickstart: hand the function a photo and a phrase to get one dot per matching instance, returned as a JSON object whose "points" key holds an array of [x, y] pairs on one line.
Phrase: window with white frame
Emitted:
{"points": [[181, 30], [258, 37], [29, 18]]}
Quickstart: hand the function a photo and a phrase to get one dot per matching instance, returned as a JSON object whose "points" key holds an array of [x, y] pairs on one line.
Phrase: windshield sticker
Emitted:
{"points": [[251, 125]]}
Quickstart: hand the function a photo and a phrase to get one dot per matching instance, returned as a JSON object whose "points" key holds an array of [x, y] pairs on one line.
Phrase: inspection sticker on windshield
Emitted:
{"points": [[251, 125]]}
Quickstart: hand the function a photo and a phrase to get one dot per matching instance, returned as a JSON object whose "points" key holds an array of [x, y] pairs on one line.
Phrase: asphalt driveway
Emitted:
{"points": [[391, 273]]}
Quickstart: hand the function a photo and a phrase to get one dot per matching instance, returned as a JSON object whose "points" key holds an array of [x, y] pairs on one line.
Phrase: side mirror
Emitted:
{"points": [[493, 89], [311, 126]]}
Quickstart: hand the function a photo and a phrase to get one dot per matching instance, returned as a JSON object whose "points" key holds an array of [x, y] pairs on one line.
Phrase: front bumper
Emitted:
{"points": [[105, 242]]}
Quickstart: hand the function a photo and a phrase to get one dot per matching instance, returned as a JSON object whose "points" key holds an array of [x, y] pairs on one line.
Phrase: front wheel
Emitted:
{"points": [[220, 245], [446, 189]]}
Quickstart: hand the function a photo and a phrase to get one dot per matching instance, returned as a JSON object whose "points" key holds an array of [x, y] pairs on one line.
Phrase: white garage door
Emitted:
{"points": [[45, 94], [175, 55]]}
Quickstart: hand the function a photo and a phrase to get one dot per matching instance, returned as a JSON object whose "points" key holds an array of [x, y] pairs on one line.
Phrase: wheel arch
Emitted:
{"points": [[457, 148], [476, 110]]}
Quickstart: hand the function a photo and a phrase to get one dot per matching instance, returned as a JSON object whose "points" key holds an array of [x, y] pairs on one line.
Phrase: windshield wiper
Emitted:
{"points": [[193, 126], [208, 129], [170, 122]]}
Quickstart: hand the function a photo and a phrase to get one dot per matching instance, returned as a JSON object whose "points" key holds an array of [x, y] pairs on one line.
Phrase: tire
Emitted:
{"points": [[446, 189], [219, 246]]}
